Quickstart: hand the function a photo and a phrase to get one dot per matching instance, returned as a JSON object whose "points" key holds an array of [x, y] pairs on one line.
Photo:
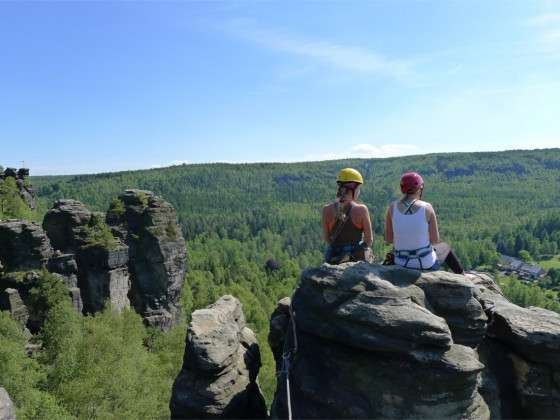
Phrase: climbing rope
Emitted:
{"points": [[286, 357]]}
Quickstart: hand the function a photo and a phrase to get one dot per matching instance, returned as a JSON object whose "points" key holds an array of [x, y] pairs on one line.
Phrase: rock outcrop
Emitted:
{"points": [[65, 224], [101, 269], [522, 352], [220, 367], [103, 276], [141, 257], [386, 342], [148, 225], [7, 409], [23, 245], [65, 266], [21, 177], [360, 326]]}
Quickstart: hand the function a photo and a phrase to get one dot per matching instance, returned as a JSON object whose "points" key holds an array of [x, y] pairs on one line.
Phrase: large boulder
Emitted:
{"points": [[7, 409], [65, 224], [367, 339], [220, 367], [104, 277], [157, 252], [23, 245]]}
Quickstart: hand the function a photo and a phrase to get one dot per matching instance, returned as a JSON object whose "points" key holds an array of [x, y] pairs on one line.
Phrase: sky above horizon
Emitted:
{"points": [[105, 86]]}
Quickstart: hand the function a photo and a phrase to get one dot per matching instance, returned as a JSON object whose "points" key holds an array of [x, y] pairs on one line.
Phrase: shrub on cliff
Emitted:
{"points": [[99, 234], [12, 206]]}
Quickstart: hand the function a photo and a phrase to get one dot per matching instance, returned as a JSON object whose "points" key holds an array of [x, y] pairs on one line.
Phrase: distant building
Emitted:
{"points": [[511, 265]]}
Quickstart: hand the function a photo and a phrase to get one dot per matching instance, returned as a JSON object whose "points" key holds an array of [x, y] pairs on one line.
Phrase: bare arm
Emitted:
{"points": [[366, 225], [389, 235], [432, 224], [325, 225]]}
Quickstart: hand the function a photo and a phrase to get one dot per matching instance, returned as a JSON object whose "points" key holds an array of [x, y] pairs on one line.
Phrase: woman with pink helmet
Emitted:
{"points": [[411, 226]]}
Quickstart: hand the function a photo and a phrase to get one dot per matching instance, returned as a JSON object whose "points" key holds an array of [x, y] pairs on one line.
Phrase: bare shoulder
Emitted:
{"points": [[362, 208], [421, 203], [328, 209], [429, 208]]}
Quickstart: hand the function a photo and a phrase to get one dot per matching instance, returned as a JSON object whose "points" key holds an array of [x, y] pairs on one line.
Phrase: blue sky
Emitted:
{"points": [[100, 86]]}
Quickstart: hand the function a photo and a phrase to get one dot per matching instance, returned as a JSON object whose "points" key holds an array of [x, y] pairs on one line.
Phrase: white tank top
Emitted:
{"points": [[411, 232]]}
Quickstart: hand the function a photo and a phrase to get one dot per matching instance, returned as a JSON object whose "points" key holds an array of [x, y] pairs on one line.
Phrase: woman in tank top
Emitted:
{"points": [[346, 224], [411, 226]]}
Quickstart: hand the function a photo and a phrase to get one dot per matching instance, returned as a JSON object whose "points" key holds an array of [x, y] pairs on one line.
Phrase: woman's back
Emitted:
{"points": [[411, 236]]}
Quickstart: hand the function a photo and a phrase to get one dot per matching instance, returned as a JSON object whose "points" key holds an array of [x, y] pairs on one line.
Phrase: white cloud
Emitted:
{"points": [[544, 20], [385, 150], [172, 163], [537, 143], [363, 150], [180, 162], [342, 57], [547, 31]]}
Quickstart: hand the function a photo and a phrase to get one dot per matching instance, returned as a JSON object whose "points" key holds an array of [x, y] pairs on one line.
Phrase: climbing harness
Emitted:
{"points": [[287, 355], [414, 254], [409, 206]]}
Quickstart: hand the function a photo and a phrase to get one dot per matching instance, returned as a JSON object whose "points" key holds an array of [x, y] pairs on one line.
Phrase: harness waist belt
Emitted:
{"points": [[410, 254]]}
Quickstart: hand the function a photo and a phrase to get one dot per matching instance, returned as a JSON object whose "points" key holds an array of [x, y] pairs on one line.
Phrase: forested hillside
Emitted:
{"points": [[477, 195]]}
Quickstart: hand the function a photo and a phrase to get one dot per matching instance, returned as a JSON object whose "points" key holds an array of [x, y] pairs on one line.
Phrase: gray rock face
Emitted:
{"points": [[7, 409], [103, 276], [385, 342], [64, 223], [66, 266], [11, 301], [524, 355], [157, 255], [23, 245], [220, 367], [361, 326]]}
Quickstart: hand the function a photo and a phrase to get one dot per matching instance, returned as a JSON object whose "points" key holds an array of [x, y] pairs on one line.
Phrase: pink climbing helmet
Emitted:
{"points": [[411, 182]]}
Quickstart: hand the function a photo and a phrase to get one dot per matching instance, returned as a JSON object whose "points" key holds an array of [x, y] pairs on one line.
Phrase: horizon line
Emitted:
{"points": [[286, 162]]}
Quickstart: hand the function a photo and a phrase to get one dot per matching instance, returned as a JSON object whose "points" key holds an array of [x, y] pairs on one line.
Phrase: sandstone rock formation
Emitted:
{"points": [[21, 177], [103, 275], [23, 245], [102, 270], [65, 266], [65, 224], [7, 409], [93, 260], [522, 353], [385, 342], [148, 225], [220, 367]]}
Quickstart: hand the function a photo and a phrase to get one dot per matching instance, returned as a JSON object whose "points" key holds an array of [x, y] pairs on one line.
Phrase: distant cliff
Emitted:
{"points": [[138, 258]]}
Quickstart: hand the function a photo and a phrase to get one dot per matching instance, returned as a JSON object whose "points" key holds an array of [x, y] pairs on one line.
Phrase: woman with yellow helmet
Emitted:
{"points": [[346, 224]]}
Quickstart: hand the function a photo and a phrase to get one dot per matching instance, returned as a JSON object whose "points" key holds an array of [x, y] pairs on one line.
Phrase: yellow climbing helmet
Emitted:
{"points": [[349, 175]]}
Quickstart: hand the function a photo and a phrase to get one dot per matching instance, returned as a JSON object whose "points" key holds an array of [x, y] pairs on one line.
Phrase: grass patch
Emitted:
{"points": [[553, 262]]}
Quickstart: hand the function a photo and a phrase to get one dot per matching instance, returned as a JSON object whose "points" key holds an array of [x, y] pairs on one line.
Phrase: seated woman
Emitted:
{"points": [[411, 226], [346, 224]]}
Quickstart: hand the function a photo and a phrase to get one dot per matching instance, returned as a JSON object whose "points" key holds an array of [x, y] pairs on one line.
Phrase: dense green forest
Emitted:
{"points": [[235, 218]]}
